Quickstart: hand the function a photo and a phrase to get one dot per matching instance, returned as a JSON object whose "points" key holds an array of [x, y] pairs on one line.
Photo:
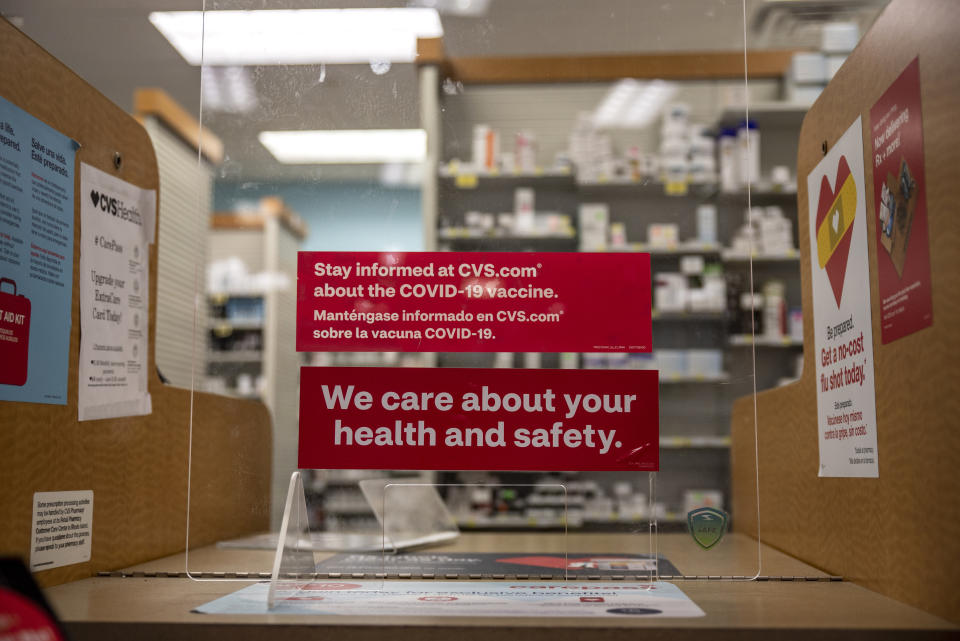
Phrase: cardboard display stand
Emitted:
{"points": [[137, 467], [898, 534]]}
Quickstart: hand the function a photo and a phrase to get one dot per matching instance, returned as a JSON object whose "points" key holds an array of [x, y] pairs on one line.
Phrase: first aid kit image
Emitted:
{"points": [[14, 334]]}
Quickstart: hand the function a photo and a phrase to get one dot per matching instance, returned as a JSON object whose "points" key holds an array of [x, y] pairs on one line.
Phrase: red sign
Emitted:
{"points": [[478, 419], [473, 302], [899, 191], [14, 335]]}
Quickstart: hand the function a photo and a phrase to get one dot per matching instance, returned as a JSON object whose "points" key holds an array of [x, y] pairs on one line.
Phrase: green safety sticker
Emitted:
{"points": [[707, 526]]}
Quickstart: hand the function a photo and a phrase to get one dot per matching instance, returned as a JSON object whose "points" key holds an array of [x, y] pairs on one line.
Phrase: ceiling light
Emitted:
{"points": [[291, 37], [464, 8], [379, 67], [228, 89], [346, 146]]}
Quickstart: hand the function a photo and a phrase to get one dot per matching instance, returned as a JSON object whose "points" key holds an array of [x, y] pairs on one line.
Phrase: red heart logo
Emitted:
{"points": [[834, 225]]}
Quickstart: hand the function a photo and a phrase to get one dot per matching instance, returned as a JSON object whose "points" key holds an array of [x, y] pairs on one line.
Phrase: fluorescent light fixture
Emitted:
{"points": [[228, 89], [631, 104], [301, 36], [346, 146], [465, 8]]}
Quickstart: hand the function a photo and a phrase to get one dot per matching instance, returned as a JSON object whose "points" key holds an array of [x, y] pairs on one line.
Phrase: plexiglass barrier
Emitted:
{"points": [[604, 159]]}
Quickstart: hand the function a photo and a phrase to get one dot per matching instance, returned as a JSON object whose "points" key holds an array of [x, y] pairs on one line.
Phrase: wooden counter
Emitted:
{"points": [[150, 607], [736, 556]]}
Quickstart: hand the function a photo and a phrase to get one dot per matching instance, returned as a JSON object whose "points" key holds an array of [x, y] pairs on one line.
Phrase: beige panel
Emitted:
{"points": [[285, 382], [899, 534], [136, 466], [186, 193], [267, 241]]}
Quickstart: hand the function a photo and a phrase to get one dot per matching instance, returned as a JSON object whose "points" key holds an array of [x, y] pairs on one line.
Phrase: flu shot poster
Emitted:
{"points": [[843, 331]]}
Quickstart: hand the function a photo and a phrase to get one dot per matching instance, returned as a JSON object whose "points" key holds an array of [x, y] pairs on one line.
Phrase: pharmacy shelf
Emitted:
{"points": [[686, 379], [614, 518], [448, 171], [465, 178], [640, 186], [512, 243], [225, 325], [640, 183], [742, 340], [679, 249], [347, 481], [731, 256], [517, 521], [693, 379], [468, 233], [759, 191], [343, 477], [694, 442], [645, 187], [469, 180], [638, 202], [559, 501], [774, 114], [224, 294], [237, 356], [718, 316]]}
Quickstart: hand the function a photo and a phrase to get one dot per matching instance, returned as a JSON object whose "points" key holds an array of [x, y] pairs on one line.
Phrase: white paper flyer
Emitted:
{"points": [[62, 529], [843, 330], [116, 226]]}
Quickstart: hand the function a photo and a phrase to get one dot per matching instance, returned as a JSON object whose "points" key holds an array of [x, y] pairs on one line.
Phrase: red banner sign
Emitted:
{"points": [[478, 419], [473, 302]]}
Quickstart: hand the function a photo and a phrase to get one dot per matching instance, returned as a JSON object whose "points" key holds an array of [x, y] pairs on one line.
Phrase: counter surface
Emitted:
{"points": [[736, 555], [150, 607]]}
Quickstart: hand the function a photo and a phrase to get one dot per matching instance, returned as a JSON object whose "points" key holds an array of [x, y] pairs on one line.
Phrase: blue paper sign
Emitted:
{"points": [[36, 257]]}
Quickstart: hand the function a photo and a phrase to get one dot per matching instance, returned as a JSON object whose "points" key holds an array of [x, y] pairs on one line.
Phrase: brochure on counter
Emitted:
{"points": [[461, 598], [489, 564]]}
